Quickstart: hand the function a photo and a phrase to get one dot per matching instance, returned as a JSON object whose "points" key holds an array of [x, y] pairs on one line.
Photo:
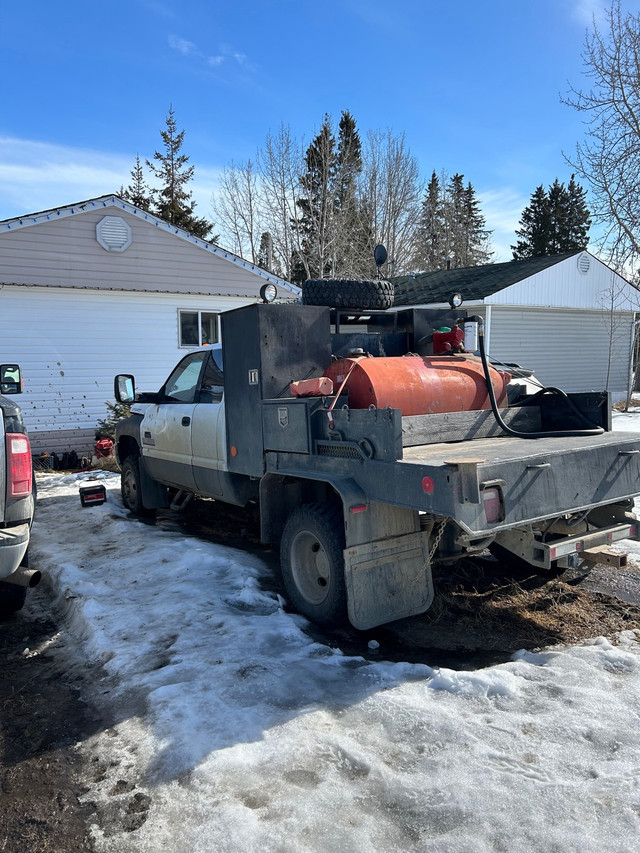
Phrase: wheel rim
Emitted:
{"points": [[130, 492], [310, 567]]}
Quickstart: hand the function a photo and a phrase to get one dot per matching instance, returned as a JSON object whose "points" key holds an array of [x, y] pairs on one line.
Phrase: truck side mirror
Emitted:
{"points": [[10, 379], [124, 388]]}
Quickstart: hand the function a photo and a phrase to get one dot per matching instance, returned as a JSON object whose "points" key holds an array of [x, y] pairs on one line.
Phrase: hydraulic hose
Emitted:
{"points": [[590, 430]]}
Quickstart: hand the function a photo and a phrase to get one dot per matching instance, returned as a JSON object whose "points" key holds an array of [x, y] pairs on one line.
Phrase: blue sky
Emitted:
{"points": [[473, 84]]}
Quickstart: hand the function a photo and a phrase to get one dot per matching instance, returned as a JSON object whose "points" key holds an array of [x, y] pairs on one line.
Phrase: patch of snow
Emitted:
{"points": [[248, 735]]}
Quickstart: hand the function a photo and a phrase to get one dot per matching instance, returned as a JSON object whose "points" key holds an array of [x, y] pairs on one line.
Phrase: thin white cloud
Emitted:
{"points": [[39, 176], [186, 48], [586, 11], [502, 208], [205, 183], [162, 10], [190, 50]]}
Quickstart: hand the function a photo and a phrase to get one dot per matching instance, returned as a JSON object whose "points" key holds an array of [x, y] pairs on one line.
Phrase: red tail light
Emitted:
{"points": [[18, 465], [492, 505]]}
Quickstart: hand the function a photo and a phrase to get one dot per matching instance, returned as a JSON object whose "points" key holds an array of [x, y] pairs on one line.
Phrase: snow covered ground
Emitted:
{"points": [[243, 734]]}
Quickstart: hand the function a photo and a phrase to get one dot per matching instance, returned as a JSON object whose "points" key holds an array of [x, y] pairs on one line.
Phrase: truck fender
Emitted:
{"points": [[281, 494], [154, 494]]}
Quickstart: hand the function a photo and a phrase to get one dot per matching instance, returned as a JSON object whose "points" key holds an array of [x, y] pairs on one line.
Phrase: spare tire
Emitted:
{"points": [[348, 293]]}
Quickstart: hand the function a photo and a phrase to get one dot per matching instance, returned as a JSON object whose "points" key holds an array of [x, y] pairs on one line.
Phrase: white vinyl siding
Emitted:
{"points": [[65, 253], [73, 314], [564, 286], [564, 348], [70, 345]]}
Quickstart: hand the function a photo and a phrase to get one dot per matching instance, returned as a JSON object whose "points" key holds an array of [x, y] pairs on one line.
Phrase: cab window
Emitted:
{"points": [[182, 384], [212, 385]]}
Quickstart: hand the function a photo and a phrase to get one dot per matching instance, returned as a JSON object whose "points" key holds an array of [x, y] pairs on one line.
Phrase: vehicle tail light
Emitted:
{"points": [[492, 505], [18, 465]]}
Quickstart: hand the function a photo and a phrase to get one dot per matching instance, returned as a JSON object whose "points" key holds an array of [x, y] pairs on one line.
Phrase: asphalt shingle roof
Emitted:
{"points": [[472, 282]]}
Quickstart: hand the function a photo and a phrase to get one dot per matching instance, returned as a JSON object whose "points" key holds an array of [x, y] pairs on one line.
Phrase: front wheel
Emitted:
{"points": [[131, 487], [312, 563]]}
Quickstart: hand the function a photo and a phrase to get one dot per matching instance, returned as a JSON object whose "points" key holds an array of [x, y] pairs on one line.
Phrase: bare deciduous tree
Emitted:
{"points": [[609, 158], [280, 165], [391, 193], [281, 196], [237, 209]]}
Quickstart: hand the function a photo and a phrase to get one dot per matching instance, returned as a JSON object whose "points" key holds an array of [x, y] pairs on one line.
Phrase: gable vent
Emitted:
{"points": [[584, 263], [113, 234]]}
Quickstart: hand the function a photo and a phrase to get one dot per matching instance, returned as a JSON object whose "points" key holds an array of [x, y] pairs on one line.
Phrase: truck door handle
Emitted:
{"points": [[186, 420], [628, 452], [538, 466]]}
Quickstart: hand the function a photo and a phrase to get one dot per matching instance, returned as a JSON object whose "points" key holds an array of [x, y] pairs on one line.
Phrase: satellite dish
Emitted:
{"points": [[380, 255]]}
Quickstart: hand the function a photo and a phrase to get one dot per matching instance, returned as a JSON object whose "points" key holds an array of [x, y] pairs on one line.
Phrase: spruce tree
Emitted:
{"points": [[534, 227], [576, 232], [173, 201], [313, 257], [476, 248], [451, 226], [557, 213], [138, 191], [351, 244], [455, 221], [555, 222], [431, 229]]}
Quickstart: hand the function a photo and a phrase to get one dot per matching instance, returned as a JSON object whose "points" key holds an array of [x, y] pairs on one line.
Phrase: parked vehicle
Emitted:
{"points": [[376, 445], [17, 496]]}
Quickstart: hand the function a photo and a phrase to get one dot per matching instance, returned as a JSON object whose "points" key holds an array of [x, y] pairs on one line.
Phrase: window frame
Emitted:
{"points": [[198, 312]]}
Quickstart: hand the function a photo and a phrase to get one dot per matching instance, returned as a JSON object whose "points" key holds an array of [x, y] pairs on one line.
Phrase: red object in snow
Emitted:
{"points": [[104, 447], [93, 495]]}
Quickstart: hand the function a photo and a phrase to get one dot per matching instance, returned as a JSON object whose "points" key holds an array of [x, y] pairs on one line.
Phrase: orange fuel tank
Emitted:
{"points": [[418, 385]]}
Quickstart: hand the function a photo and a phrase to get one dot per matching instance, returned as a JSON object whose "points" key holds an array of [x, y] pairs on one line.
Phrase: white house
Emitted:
{"points": [[100, 287], [570, 318]]}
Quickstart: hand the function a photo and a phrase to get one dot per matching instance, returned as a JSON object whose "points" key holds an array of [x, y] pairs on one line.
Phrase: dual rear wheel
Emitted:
{"points": [[312, 563]]}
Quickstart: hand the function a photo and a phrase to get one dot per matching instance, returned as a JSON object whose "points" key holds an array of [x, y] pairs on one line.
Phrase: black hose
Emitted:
{"points": [[592, 430]]}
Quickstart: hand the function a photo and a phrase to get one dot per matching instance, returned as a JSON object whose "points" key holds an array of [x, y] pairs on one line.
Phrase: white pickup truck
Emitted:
{"points": [[375, 446]]}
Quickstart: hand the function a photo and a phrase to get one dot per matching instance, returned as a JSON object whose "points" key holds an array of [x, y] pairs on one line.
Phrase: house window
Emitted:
{"points": [[198, 328]]}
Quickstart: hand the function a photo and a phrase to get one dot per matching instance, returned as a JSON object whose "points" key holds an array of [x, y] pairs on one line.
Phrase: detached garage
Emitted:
{"points": [[100, 287], [569, 318]]}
